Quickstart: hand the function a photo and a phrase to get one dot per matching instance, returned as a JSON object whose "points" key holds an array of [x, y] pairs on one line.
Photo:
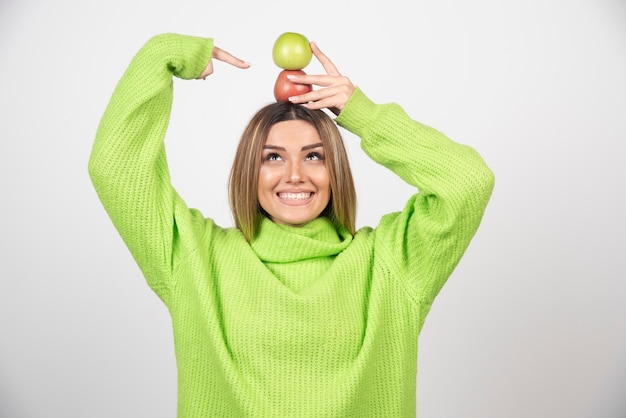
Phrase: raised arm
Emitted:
{"points": [[426, 239], [128, 164], [429, 236]]}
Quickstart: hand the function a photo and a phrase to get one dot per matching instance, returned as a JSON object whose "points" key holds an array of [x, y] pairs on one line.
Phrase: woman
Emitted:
{"points": [[292, 313]]}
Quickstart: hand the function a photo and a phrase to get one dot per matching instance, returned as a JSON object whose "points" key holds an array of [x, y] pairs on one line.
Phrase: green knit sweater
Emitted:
{"points": [[303, 321]]}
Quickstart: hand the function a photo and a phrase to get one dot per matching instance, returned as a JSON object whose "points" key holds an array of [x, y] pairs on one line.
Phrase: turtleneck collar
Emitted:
{"points": [[276, 243]]}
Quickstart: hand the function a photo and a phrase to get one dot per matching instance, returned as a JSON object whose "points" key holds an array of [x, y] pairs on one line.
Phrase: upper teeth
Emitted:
{"points": [[294, 196]]}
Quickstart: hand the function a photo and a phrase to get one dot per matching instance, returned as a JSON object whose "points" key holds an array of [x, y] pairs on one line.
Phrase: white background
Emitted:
{"points": [[531, 324]]}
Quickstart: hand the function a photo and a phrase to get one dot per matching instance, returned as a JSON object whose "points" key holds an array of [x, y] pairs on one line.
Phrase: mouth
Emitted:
{"points": [[290, 196]]}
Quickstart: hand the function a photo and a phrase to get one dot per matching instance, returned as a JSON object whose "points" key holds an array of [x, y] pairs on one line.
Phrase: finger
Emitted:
{"points": [[321, 80], [324, 60], [221, 55], [331, 97], [314, 96], [318, 80], [322, 104]]}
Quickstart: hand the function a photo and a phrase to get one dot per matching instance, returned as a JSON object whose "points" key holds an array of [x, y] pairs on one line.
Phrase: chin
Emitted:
{"points": [[293, 221]]}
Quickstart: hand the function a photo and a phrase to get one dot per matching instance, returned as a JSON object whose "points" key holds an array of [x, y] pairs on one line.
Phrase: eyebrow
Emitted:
{"points": [[304, 148]]}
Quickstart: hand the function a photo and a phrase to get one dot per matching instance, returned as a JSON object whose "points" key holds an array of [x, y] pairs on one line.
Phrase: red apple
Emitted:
{"points": [[284, 88]]}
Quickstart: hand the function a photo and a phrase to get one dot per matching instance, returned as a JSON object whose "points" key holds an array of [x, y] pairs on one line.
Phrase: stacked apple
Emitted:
{"points": [[292, 52]]}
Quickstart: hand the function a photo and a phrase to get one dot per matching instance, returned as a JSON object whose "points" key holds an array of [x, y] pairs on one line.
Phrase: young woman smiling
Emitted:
{"points": [[293, 312], [284, 141]]}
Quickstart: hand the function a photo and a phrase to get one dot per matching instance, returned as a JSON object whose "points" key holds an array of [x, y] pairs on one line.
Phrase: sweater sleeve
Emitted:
{"points": [[128, 165], [426, 240]]}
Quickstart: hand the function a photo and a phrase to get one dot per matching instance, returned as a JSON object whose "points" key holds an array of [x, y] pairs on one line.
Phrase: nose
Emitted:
{"points": [[295, 173]]}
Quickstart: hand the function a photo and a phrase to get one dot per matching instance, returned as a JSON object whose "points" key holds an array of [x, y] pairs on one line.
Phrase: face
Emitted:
{"points": [[294, 187]]}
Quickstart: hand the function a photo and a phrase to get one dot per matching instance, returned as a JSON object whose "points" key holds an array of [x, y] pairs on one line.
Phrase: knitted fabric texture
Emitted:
{"points": [[303, 321]]}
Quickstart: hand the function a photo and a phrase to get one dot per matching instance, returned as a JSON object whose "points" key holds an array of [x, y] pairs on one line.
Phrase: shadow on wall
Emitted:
{"points": [[609, 400]]}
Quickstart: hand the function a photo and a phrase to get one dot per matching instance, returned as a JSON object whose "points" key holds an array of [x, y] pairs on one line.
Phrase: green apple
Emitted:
{"points": [[292, 51]]}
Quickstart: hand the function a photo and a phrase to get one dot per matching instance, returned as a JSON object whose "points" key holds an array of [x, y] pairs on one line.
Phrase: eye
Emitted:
{"points": [[314, 156], [272, 156]]}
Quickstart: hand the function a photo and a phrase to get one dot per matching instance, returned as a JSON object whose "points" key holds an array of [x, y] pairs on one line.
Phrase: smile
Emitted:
{"points": [[295, 196]]}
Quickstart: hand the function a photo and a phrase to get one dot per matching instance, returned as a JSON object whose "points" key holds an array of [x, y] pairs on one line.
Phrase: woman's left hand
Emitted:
{"points": [[336, 88]]}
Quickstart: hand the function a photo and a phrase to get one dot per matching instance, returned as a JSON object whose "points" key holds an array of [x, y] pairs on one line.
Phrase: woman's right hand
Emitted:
{"points": [[221, 55]]}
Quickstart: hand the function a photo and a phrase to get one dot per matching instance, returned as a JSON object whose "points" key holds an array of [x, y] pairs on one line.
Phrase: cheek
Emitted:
{"points": [[321, 178], [267, 178], [264, 189]]}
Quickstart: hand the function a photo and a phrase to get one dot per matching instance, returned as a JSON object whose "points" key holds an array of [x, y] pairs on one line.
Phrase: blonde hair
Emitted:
{"points": [[244, 174]]}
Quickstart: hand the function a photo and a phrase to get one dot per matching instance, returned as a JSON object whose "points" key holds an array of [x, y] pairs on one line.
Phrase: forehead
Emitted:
{"points": [[296, 133]]}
